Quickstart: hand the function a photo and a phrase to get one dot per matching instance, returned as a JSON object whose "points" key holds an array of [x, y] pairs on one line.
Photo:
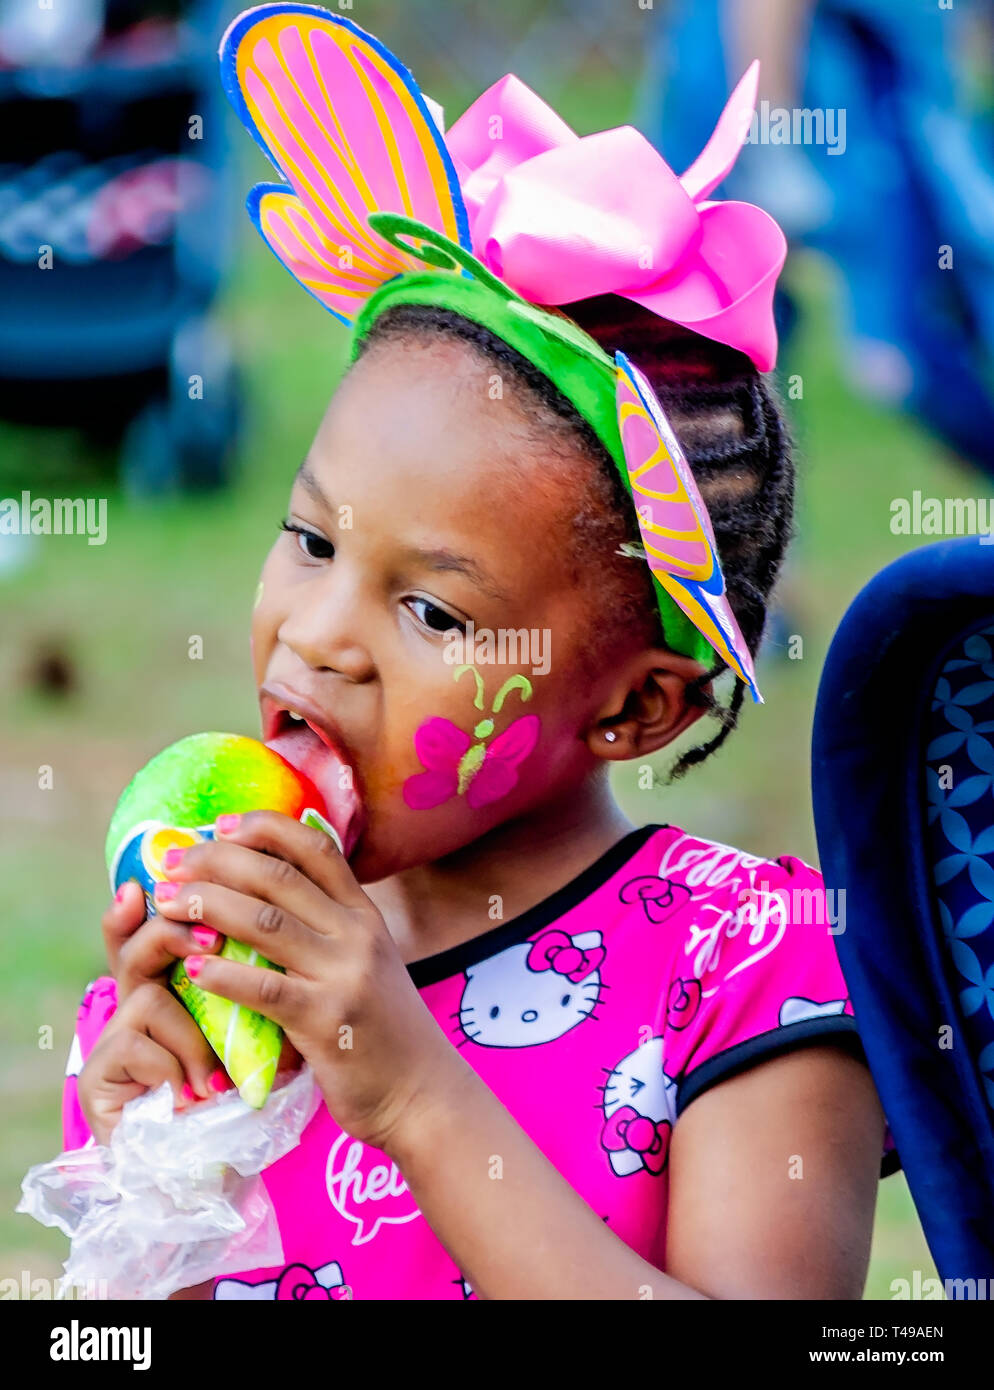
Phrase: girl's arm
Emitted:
{"points": [[773, 1178], [773, 1182]]}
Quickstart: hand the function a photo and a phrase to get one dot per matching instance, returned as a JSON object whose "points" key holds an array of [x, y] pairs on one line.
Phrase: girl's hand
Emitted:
{"points": [[142, 950], [346, 1001], [150, 1039]]}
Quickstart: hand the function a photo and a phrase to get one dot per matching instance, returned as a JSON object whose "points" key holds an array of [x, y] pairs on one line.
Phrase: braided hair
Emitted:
{"points": [[729, 423]]}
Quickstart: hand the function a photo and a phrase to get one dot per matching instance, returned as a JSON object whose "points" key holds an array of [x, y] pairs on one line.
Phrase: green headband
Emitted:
{"points": [[575, 364]]}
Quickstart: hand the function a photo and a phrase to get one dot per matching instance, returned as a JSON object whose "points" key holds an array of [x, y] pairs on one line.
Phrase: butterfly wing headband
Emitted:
{"points": [[377, 206]]}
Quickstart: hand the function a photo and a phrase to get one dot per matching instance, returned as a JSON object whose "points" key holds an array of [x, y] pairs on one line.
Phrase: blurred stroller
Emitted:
{"points": [[114, 232]]}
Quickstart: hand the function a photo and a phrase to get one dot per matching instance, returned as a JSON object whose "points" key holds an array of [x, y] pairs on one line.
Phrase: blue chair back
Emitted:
{"points": [[903, 786]]}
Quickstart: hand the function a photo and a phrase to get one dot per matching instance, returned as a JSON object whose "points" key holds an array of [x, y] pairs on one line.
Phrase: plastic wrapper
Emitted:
{"points": [[176, 1198]]}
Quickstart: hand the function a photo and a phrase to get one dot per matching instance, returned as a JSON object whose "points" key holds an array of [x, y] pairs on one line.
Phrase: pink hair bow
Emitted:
{"points": [[560, 217]]}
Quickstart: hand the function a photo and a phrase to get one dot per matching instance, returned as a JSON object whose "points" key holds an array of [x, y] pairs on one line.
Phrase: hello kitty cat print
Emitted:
{"points": [[639, 1102], [533, 992], [297, 1283]]}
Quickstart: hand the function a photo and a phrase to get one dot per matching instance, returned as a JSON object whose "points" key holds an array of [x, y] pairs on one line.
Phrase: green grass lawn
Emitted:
{"points": [[126, 611]]}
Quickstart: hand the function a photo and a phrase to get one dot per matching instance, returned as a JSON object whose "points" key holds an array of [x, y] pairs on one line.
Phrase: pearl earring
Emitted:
{"points": [[610, 736]]}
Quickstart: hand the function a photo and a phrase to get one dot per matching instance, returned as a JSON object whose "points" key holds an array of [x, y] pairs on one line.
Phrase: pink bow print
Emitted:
{"points": [[683, 1003], [660, 897], [300, 1283], [560, 217], [554, 950], [627, 1129]]}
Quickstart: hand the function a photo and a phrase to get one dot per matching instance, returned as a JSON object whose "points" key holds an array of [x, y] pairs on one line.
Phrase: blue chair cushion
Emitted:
{"points": [[897, 711], [959, 771]]}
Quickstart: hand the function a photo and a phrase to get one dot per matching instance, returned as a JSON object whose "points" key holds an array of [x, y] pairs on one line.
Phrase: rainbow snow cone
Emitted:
{"points": [[174, 801]]}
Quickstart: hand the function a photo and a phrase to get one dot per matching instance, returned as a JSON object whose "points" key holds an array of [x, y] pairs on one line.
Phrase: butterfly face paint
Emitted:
{"points": [[462, 764]]}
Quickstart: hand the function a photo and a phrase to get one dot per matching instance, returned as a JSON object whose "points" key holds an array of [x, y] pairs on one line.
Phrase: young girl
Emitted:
{"points": [[559, 1056]]}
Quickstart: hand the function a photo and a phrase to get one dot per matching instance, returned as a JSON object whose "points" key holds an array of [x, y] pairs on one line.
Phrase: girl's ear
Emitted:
{"points": [[646, 707]]}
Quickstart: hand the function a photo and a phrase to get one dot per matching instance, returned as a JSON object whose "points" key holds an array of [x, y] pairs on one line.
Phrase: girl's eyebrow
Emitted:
{"points": [[442, 560], [307, 479], [448, 561]]}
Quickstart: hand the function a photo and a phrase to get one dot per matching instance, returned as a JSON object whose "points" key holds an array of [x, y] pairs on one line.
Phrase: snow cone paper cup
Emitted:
{"points": [[174, 801]]}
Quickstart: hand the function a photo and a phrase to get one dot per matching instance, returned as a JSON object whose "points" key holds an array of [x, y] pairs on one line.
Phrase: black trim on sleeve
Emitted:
{"points": [[837, 1028], [890, 1163]]}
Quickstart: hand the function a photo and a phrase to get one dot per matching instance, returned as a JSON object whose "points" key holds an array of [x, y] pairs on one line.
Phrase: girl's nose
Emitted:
{"points": [[324, 628]]}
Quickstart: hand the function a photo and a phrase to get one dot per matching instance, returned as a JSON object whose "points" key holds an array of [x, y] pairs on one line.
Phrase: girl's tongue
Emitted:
{"points": [[304, 750]]}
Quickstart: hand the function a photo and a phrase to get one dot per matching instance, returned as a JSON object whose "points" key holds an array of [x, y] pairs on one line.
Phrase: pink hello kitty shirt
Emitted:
{"points": [[597, 1017]]}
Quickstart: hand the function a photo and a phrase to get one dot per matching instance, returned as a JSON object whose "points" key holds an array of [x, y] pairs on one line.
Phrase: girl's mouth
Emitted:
{"points": [[301, 738]]}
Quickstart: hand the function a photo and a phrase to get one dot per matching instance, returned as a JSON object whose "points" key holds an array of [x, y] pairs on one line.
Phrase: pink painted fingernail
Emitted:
{"points": [[188, 1092], [221, 1081], [165, 891], [226, 824], [119, 895], [173, 858], [194, 965], [204, 936]]}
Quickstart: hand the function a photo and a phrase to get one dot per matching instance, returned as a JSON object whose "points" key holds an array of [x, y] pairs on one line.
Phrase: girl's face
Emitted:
{"points": [[420, 508]]}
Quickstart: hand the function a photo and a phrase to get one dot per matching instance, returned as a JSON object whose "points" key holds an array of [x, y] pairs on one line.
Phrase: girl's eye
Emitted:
{"points": [[637, 1085], [314, 546], [436, 618]]}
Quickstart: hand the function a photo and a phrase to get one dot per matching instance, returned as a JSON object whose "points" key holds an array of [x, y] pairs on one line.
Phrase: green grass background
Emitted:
{"points": [[126, 611]]}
